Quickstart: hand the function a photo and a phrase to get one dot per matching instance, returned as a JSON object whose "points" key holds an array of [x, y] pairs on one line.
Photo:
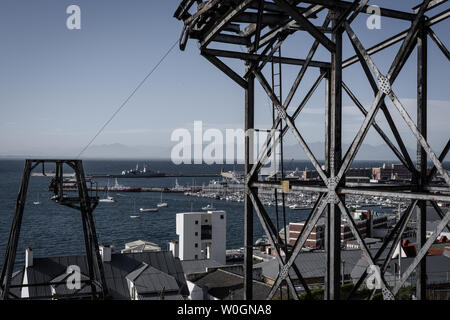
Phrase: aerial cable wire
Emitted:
{"points": [[128, 99]]}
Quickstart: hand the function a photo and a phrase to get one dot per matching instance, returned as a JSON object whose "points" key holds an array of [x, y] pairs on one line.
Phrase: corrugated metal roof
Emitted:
{"points": [[198, 266], [310, 264], [46, 269], [149, 280], [226, 285]]}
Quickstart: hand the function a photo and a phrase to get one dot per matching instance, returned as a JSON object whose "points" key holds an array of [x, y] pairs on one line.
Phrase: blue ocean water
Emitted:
{"points": [[52, 230]]}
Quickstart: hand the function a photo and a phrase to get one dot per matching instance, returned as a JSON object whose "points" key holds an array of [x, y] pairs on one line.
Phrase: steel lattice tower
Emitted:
{"points": [[263, 26]]}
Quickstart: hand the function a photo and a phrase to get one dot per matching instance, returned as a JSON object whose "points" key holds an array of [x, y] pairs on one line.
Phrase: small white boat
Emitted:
{"points": [[148, 209], [162, 204], [209, 207], [108, 200], [135, 217], [37, 202], [295, 207]]}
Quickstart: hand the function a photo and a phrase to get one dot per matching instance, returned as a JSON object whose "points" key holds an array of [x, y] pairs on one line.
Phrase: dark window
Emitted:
{"points": [[196, 234], [206, 232], [196, 221], [221, 216], [196, 245], [196, 257], [206, 220]]}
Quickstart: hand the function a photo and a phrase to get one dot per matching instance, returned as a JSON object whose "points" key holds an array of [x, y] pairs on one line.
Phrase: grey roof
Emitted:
{"points": [[198, 266], [46, 269], [166, 297], [135, 273], [438, 269], [16, 279], [62, 289], [148, 280], [226, 285], [310, 264]]}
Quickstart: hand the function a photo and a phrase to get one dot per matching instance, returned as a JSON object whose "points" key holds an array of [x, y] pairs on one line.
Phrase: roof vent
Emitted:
{"points": [[105, 252], [28, 257]]}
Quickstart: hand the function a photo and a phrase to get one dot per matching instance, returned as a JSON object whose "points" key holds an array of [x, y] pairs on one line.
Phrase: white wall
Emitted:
{"points": [[186, 229]]}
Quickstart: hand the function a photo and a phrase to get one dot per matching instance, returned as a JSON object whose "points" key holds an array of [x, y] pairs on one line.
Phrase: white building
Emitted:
{"points": [[201, 235]]}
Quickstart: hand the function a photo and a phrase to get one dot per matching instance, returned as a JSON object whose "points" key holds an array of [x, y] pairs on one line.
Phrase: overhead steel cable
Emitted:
{"points": [[128, 99]]}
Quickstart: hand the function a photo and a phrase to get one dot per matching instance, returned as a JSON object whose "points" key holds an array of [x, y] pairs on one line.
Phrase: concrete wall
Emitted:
{"points": [[219, 236]]}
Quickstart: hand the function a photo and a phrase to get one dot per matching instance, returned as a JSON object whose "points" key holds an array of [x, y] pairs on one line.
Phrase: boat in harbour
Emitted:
{"points": [[121, 188], [145, 172], [209, 207], [37, 202], [148, 209], [180, 189], [108, 198], [162, 204]]}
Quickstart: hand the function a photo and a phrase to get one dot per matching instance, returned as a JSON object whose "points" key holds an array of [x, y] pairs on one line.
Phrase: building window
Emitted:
{"points": [[196, 257], [206, 232], [196, 245], [196, 234], [196, 221], [221, 216], [206, 220]]}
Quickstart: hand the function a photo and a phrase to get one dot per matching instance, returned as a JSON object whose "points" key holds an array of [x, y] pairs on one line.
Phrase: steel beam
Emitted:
{"points": [[391, 237], [227, 70], [439, 43], [285, 18], [375, 125], [334, 160], [309, 225], [302, 21], [387, 294], [333, 4], [221, 23], [11, 250], [423, 251], [256, 57], [422, 61], [248, 206], [396, 194], [396, 38], [441, 158]]}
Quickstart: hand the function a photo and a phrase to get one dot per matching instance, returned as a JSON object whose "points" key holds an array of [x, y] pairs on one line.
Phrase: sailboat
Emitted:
{"points": [[162, 204], [37, 202], [108, 198], [134, 210], [146, 209], [209, 207]]}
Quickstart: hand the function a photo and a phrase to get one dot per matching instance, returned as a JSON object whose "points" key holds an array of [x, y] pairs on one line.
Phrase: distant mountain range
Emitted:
{"points": [[121, 151], [366, 152], [117, 150]]}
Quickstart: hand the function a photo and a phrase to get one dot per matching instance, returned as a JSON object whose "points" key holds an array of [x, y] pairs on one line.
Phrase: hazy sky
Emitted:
{"points": [[59, 86]]}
